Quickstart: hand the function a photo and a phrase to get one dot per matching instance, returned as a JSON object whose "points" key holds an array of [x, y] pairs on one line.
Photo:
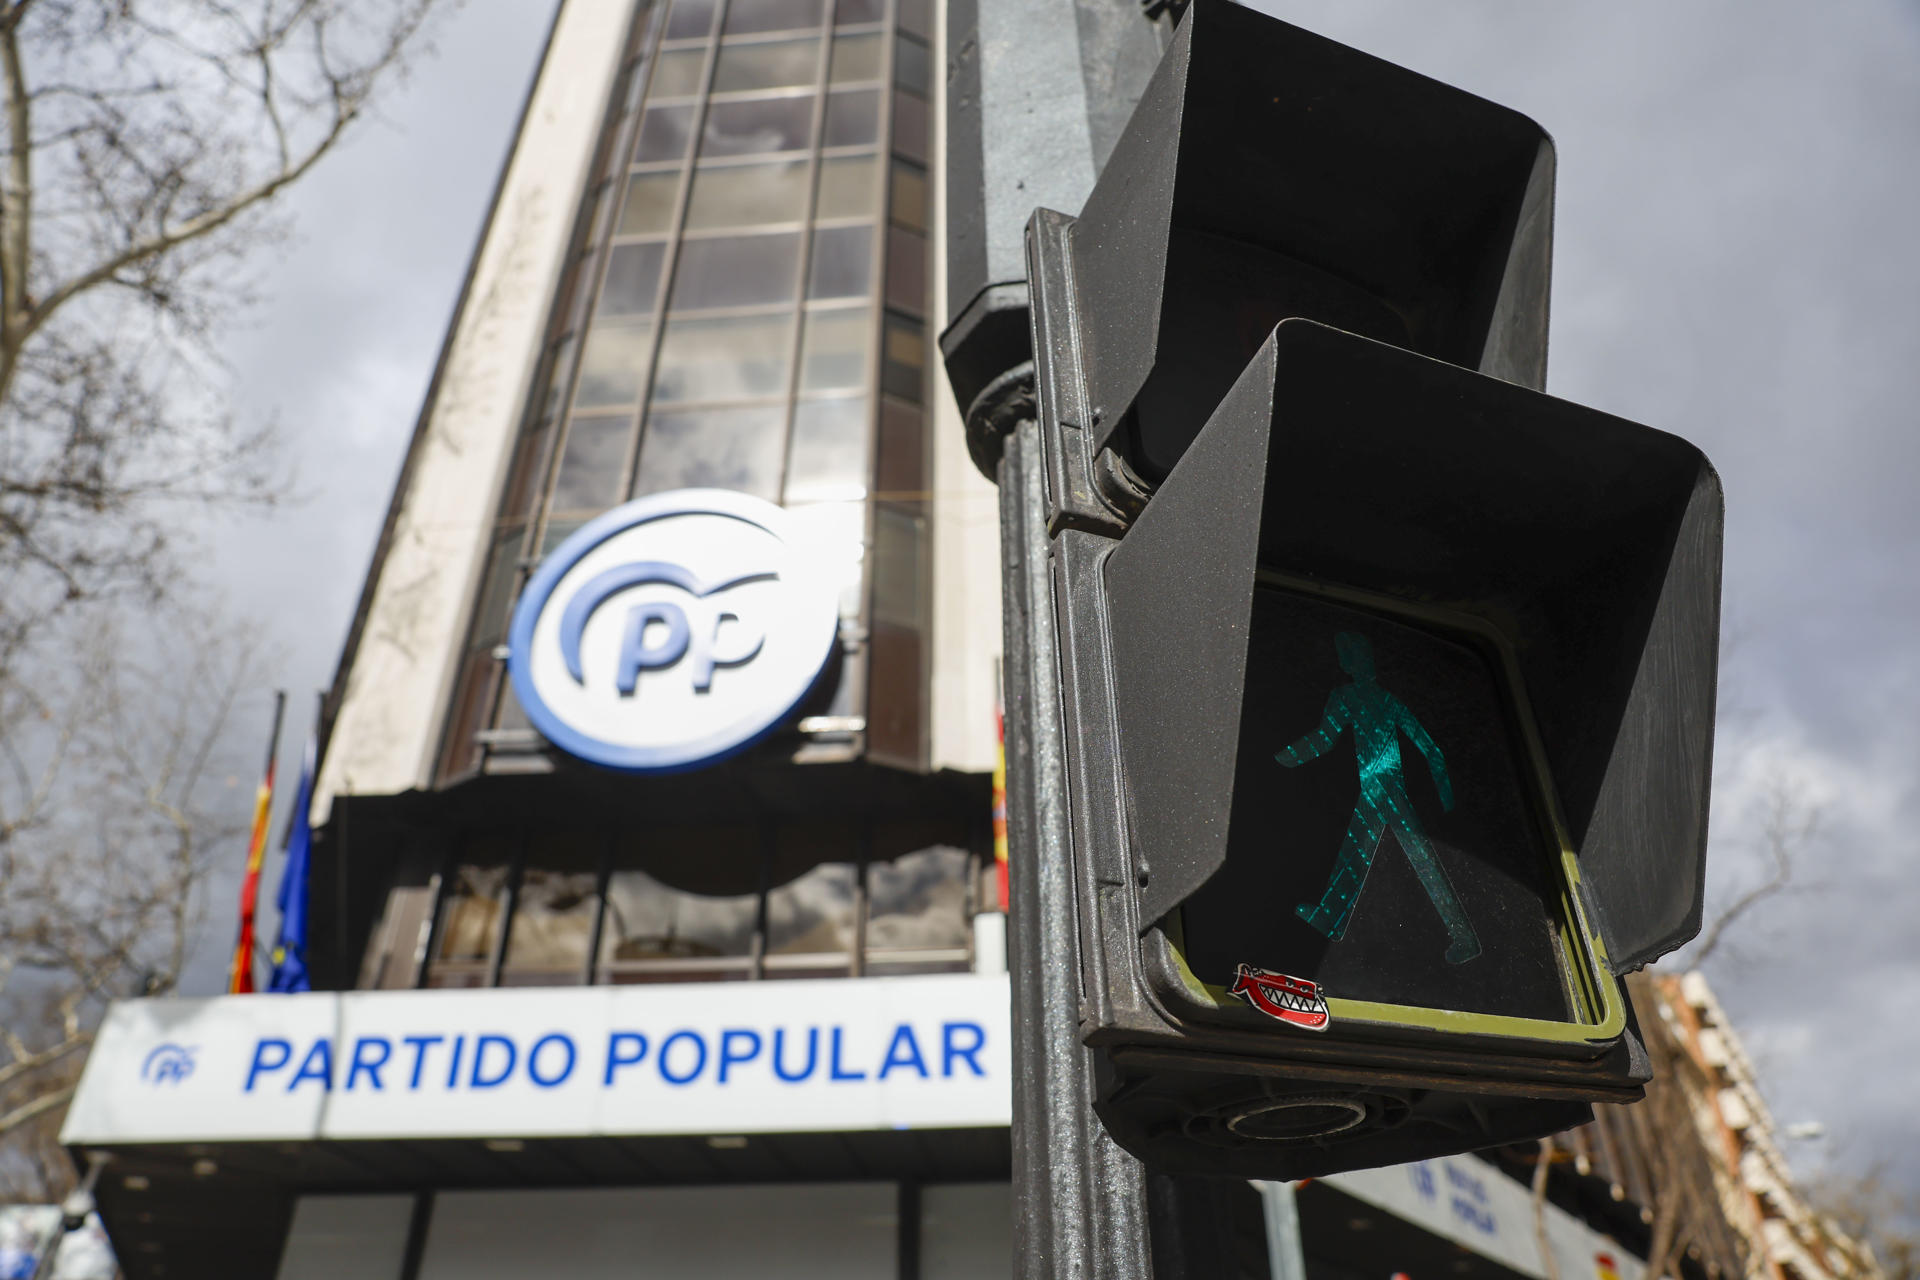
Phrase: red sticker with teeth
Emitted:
{"points": [[1294, 1001]]}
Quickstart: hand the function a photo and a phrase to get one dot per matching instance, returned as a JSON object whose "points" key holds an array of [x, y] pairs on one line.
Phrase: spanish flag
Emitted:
{"points": [[240, 972]]}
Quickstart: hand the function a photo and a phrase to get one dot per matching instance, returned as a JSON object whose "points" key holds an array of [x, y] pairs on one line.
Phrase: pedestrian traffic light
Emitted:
{"points": [[1388, 680]]}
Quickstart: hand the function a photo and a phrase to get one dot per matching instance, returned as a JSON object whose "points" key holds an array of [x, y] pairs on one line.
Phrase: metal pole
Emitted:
{"points": [[74, 1211]]}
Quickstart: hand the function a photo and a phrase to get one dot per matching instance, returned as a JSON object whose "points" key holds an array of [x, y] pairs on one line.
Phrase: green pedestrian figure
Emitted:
{"points": [[1377, 719]]}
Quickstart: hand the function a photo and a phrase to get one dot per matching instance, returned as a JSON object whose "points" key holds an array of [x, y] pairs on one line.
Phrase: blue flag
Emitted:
{"points": [[290, 951]]}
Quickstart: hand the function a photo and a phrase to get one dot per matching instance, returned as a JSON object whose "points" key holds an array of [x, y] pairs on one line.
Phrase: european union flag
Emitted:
{"points": [[290, 951]]}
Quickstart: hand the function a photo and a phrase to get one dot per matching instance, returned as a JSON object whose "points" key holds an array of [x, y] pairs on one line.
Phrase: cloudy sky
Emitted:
{"points": [[1736, 262]]}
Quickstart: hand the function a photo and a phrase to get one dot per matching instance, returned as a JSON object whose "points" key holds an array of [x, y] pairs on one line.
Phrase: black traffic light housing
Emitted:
{"points": [[1389, 680]]}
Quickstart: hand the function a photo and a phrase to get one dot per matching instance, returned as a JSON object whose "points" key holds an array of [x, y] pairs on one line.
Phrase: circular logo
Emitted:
{"points": [[671, 632]]}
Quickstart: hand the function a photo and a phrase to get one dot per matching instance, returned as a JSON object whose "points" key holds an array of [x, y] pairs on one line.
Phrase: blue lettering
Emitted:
{"points": [[624, 1048], [699, 1062], [533, 1059], [779, 1054], [636, 655], [728, 1058], [260, 1062], [1473, 1215], [360, 1063], [834, 1070], [479, 1079], [903, 1040], [317, 1065], [419, 1044], [453, 1070], [951, 1048]]}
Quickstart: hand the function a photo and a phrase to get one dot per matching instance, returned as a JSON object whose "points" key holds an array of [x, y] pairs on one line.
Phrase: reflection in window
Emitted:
{"points": [[690, 18], [857, 58], [813, 915], [837, 531], [906, 270], [649, 207], [746, 16], [725, 358], [833, 355], [842, 263], [633, 278], [471, 909], [714, 449], [903, 359], [677, 74], [784, 64], [737, 271], [557, 532], [611, 364], [853, 118], [745, 195], [910, 127], [846, 187], [503, 571], [918, 902], [911, 66], [593, 468], [647, 920], [916, 16], [898, 577], [552, 925], [664, 134], [757, 126], [898, 473], [828, 462]]}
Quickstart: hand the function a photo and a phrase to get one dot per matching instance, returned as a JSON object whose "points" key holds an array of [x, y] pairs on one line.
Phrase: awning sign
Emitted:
{"points": [[839, 1055]]}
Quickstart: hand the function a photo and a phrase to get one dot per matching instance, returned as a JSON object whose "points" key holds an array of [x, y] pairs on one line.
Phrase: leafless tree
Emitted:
{"points": [[1877, 1210], [114, 790], [144, 148]]}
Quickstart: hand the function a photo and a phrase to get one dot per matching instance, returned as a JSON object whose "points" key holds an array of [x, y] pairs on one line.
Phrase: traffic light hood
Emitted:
{"points": [[1268, 173], [1584, 548]]}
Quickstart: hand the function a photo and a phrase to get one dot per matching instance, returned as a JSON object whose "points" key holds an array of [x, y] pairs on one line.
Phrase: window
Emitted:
{"points": [[747, 16], [593, 470], [677, 74], [853, 118], [907, 202], [664, 134], [829, 461], [810, 923], [834, 353], [747, 195], [856, 58], [611, 365], [553, 917], [737, 271], [472, 907], [842, 264], [847, 186], [911, 65], [633, 279], [757, 126], [714, 449], [783, 64], [848, 13], [724, 358], [649, 207], [690, 18], [698, 935]]}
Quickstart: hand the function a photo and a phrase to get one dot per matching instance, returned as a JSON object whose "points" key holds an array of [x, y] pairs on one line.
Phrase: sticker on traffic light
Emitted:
{"points": [[1382, 806]]}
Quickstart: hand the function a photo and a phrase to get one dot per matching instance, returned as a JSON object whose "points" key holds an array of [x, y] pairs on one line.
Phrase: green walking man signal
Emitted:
{"points": [[1377, 719]]}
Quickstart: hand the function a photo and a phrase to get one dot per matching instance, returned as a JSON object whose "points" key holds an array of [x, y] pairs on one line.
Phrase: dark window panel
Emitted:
{"points": [[910, 127], [724, 358], [900, 470], [849, 13], [553, 916], [748, 195], [847, 187], [835, 355], [857, 58], [853, 118], [842, 265], [748, 16], [649, 207], [827, 461], [898, 583], [664, 134], [906, 270], [677, 74], [557, 532], [896, 684], [916, 16], [497, 588], [813, 914], [912, 65], [650, 921], [633, 279], [903, 359], [919, 902], [689, 19], [472, 907], [714, 449], [593, 466], [525, 475], [907, 198], [780, 64], [757, 126], [737, 271], [611, 365]]}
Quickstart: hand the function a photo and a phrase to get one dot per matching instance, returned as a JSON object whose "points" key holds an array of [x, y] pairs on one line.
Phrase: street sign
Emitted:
{"points": [[1386, 680]]}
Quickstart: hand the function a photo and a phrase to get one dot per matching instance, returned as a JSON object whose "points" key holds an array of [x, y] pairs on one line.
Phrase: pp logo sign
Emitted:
{"points": [[672, 632]]}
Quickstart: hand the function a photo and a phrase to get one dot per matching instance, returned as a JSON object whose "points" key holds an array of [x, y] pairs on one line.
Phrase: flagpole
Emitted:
{"points": [[240, 972]]}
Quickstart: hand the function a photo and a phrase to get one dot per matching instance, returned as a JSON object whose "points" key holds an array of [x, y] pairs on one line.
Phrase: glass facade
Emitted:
{"points": [[746, 310], [703, 904]]}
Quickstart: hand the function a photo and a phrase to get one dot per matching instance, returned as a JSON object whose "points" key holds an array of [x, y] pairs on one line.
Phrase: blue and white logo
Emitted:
{"points": [[168, 1064], [672, 632]]}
